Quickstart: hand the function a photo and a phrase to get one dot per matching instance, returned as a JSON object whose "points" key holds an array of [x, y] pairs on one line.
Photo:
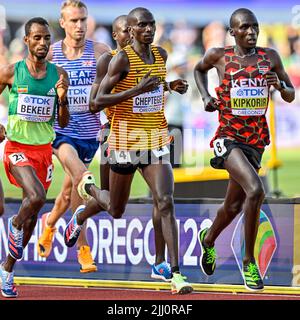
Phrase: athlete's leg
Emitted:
{"points": [[160, 180], [159, 177], [75, 168], [104, 167], [61, 205], [243, 173], [35, 195], [62, 202], [28, 228], [231, 207], [119, 186], [160, 244], [120, 190], [104, 176], [76, 201]]}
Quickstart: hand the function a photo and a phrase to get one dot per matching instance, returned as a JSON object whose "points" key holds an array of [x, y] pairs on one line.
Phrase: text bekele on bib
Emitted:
{"points": [[35, 108]]}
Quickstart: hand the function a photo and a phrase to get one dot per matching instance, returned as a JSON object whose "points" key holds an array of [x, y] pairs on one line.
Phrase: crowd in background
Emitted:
{"points": [[185, 44]]}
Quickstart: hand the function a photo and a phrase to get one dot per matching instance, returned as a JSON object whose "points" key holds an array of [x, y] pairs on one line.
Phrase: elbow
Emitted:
{"points": [[97, 104], [93, 107], [290, 97], [63, 122]]}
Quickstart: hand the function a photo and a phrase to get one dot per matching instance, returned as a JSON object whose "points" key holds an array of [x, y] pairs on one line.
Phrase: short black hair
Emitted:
{"points": [[117, 20], [237, 12], [37, 20], [132, 14]]}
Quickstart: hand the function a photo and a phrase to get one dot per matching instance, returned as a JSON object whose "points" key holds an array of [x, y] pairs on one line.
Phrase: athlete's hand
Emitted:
{"points": [[181, 86], [2, 133], [211, 104], [272, 79], [147, 83], [62, 88]]}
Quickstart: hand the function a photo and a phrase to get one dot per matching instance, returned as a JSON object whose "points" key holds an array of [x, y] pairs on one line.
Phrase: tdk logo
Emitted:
{"points": [[37, 100], [253, 92], [77, 91]]}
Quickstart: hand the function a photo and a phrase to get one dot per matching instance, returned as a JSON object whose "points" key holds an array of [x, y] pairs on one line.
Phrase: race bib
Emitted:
{"points": [[249, 101], [35, 108], [219, 147], [162, 151], [17, 157], [49, 173], [78, 98], [149, 102], [122, 156]]}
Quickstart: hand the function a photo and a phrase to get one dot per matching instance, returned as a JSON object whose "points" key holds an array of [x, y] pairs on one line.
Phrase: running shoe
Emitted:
{"points": [[73, 229], [179, 285], [162, 271], [208, 254], [15, 240], [87, 178], [8, 289], [44, 245], [252, 277], [85, 259]]}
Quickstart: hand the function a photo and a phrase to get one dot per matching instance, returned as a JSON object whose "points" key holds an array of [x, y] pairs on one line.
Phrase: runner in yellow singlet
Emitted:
{"points": [[139, 134]]}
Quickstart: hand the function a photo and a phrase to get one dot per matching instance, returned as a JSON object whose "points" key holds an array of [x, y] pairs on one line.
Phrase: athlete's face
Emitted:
{"points": [[143, 29], [38, 41], [121, 33], [74, 21], [245, 30]]}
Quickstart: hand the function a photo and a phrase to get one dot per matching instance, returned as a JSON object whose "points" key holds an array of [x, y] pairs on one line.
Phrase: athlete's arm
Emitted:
{"points": [[6, 79], [117, 70], [100, 49], [62, 91], [277, 74], [178, 85], [101, 70], [6, 76], [210, 60]]}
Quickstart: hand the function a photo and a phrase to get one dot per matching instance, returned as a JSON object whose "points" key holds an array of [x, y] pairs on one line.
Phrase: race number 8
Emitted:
{"points": [[49, 173], [219, 147]]}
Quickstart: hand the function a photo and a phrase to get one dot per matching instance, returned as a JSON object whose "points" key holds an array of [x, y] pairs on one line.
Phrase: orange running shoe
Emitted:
{"points": [[44, 245], [85, 259]]}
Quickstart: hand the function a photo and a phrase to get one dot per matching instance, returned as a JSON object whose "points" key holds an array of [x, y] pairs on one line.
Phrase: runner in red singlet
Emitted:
{"points": [[246, 74]]}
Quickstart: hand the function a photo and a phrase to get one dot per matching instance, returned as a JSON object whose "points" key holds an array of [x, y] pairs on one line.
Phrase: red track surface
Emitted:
{"points": [[33, 292]]}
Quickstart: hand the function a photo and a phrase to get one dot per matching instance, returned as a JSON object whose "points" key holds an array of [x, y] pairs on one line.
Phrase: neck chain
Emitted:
{"points": [[251, 53]]}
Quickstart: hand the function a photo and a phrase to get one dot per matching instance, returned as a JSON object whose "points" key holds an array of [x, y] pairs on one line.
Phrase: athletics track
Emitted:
{"points": [[51, 292]]}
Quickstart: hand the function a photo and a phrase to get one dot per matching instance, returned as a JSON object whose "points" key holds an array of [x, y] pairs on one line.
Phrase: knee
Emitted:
{"points": [[257, 192], [165, 205], [37, 199], [66, 196], [117, 212]]}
